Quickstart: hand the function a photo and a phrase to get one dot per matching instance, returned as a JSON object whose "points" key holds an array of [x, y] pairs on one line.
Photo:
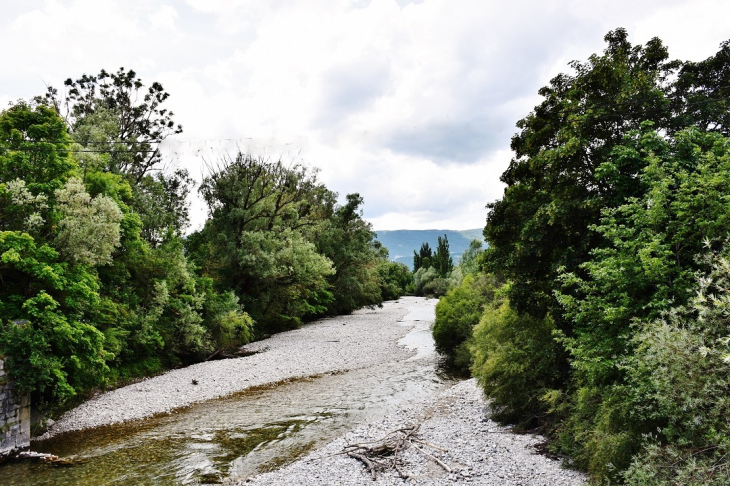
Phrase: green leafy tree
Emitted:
{"points": [[423, 258], [118, 126], [46, 300], [618, 179], [470, 261], [700, 95], [89, 229], [395, 279], [49, 345], [131, 119], [349, 242], [255, 241], [553, 193], [649, 268], [679, 384], [422, 277], [442, 261], [34, 147]]}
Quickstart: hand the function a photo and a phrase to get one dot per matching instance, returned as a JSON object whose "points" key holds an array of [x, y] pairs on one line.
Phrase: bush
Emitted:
{"points": [[395, 278], [680, 375], [422, 277], [436, 287], [456, 315], [515, 362]]}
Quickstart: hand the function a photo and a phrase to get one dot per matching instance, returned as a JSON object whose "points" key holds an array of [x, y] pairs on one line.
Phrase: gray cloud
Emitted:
{"points": [[351, 88], [411, 103], [463, 141]]}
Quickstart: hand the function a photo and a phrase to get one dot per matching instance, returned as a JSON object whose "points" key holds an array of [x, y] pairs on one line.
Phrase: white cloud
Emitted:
{"points": [[411, 104], [163, 18]]}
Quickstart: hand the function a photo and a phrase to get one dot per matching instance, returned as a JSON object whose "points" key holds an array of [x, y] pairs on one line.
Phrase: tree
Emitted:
{"points": [[679, 381], [89, 230], [618, 180], [553, 190], [34, 147], [395, 279], [46, 299], [118, 126], [442, 261], [700, 96], [423, 258], [349, 242], [255, 241], [648, 268], [132, 120]]}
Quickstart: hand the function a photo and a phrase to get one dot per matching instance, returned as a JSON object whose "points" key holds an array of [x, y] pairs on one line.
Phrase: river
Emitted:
{"points": [[235, 437]]}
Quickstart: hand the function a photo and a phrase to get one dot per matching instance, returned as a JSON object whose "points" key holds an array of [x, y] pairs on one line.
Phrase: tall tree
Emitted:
{"points": [[423, 258], [255, 241], [118, 125], [442, 261], [556, 182], [132, 119]]}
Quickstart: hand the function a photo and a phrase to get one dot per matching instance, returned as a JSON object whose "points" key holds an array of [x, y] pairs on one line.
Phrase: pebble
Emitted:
{"points": [[454, 420]]}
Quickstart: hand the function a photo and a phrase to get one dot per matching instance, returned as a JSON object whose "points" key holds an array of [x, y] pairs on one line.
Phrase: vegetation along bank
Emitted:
{"points": [[598, 313], [99, 284]]}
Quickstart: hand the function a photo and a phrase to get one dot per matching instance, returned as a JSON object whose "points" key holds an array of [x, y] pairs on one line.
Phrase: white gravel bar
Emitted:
{"points": [[478, 451], [365, 338]]}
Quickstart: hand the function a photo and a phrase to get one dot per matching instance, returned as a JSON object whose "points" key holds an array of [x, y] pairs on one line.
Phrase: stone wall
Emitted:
{"points": [[14, 416]]}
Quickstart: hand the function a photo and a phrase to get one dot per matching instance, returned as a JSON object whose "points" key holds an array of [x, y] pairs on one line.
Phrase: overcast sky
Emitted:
{"points": [[410, 103]]}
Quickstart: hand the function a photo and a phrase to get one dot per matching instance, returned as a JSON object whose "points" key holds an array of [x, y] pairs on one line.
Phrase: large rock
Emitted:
{"points": [[14, 416]]}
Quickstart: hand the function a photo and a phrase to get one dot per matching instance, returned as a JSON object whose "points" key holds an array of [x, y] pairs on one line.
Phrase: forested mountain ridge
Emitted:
{"points": [[402, 243]]}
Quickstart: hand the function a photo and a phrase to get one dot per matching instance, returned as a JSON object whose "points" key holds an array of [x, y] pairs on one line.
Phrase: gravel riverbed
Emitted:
{"points": [[365, 338], [478, 451]]}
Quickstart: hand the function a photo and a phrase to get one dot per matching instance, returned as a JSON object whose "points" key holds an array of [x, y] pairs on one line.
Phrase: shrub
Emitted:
{"points": [[680, 375], [436, 287], [395, 278], [515, 362], [456, 315], [422, 277]]}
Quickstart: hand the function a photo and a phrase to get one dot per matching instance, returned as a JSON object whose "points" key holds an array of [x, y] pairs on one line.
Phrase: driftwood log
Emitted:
{"points": [[385, 454]]}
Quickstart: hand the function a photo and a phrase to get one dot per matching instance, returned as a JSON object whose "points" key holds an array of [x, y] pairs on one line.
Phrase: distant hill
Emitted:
{"points": [[402, 243]]}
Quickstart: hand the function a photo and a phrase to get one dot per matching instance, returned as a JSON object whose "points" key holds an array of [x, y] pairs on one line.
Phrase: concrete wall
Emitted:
{"points": [[14, 416]]}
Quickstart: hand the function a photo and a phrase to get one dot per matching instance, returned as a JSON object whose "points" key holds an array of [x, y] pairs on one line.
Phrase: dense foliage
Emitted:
{"points": [[460, 309], [99, 283], [612, 235], [432, 270]]}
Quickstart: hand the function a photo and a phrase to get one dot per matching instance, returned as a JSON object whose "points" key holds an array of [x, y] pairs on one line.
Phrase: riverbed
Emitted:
{"points": [[282, 415], [248, 415]]}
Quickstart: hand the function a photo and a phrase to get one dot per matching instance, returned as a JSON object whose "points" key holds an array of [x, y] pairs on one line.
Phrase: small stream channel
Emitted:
{"points": [[237, 436]]}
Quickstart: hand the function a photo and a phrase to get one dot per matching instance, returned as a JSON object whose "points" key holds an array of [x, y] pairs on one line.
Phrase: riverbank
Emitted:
{"points": [[478, 451], [362, 339], [385, 351]]}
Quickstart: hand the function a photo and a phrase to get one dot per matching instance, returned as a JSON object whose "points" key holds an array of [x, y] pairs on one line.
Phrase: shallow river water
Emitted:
{"points": [[237, 436]]}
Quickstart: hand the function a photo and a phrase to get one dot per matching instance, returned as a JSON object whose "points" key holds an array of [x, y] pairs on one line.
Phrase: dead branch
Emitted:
{"points": [[438, 461], [390, 447]]}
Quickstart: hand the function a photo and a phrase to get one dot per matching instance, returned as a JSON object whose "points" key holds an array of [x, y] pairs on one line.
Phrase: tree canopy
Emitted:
{"points": [[100, 284], [608, 256]]}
